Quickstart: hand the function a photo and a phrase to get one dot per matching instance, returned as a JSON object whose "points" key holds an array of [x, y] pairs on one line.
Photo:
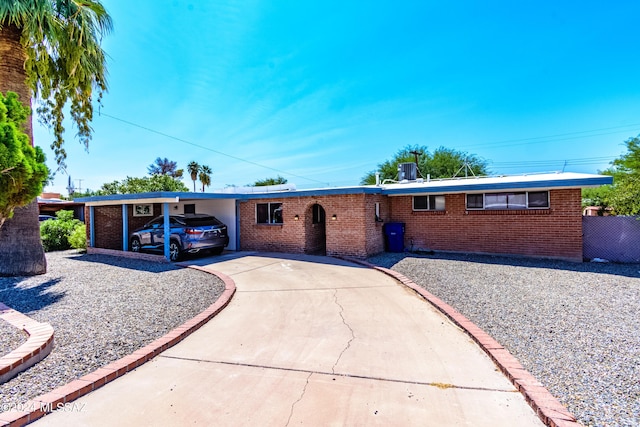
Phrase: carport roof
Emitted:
{"points": [[527, 182]]}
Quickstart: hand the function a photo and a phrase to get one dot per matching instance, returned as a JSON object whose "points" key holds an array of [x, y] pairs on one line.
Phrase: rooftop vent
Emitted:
{"points": [[408, 171]]}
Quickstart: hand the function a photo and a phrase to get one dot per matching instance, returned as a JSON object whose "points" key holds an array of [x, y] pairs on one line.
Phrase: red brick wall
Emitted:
{"points": [[108, 227], [347, 235], [108, 231], [555, 232], [373, 229], [136, 222]]}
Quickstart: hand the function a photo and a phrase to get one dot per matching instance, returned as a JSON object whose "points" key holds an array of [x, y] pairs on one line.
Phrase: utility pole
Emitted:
{"points": [[416, 154], [79, 185]]}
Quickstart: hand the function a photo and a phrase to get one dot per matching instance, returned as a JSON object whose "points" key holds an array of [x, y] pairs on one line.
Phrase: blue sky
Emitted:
{"points": [[321, 92]]}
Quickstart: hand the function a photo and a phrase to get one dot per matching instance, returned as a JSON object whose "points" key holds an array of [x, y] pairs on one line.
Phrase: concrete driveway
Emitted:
{"points": [[311, 341]]}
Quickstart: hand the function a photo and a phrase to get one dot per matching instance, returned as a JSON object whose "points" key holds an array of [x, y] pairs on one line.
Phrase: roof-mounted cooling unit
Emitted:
{"points": [[408, 171]]}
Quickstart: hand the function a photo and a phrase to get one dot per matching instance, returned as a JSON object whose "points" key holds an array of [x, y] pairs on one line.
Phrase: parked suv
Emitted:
{"points": [[189, 233]]}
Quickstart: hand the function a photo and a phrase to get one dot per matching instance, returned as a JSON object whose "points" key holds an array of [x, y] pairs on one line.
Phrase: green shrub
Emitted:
{"points": [[55, 233], [78, 238]]}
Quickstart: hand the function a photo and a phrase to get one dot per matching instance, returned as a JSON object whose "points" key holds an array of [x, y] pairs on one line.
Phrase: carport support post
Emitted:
{"points": [[125, 228], [92, 227], [167, 231]]}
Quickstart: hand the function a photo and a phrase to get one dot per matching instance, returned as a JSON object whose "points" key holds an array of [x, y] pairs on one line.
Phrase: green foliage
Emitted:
{"points": [[270, 181], [22, 167], [78, 238], [55, 233], [145, 184], [64, 59], [77, 195], [624, 195], [442, 163], [194, 169], [598, 196]]}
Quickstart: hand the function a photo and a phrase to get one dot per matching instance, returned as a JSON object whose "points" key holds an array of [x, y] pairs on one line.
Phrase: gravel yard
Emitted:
{"points": [[10, 337], [102, 308], [575, 327]]}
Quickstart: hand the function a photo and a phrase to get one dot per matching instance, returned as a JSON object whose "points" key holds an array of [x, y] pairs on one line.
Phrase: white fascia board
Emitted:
{"points": [[133, 201], [534, 182]]}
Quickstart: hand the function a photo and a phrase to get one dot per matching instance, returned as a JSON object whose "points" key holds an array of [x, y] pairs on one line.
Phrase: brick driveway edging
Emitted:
{"points": [[37, 347], [549, 409], [57, 398]]}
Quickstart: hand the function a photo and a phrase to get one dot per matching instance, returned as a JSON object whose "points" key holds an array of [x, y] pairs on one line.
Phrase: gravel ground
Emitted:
{"points": [[10, 337], [102, 308], [575, 327]]}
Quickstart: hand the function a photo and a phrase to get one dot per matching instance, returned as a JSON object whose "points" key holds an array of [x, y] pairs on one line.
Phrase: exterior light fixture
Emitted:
{"points": [[334, 217], [297, 217]]}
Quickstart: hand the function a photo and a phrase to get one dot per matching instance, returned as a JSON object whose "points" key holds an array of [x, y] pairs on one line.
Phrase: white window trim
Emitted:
{"points": [[507, 209], [413, 208], [268, 213]]}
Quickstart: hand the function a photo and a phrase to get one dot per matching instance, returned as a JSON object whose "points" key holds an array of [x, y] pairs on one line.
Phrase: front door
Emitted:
{"points": [[315, 230]]}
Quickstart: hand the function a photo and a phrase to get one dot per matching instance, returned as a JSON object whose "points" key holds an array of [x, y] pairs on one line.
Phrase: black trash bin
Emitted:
{"points": [[394, 236]]}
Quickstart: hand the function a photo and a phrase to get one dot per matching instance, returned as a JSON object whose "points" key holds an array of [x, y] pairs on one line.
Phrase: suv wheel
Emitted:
{"points": [[174, 251], [135, 244]]}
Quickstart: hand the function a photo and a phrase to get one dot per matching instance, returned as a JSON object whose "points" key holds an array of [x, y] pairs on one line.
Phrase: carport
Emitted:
{"points": [[107, 215]]}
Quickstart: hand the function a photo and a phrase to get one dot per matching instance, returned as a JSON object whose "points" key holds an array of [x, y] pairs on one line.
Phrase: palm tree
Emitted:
{"points": [[194, 169], [205, 176], [49, 50]]}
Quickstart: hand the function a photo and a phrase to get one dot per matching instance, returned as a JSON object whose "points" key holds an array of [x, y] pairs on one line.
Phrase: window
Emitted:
{"points": [[475, 201], [190, 208], [269, 213], [538, 199], [503, 201], [428, 203]]}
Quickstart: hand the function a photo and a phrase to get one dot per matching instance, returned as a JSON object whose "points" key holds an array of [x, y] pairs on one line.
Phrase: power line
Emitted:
{"points": [[505, 165], [209, 149], [553, 138], [582, 161]]}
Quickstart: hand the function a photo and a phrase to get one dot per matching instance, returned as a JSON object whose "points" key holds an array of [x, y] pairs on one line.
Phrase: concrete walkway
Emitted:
{"points": [[311, 341]]}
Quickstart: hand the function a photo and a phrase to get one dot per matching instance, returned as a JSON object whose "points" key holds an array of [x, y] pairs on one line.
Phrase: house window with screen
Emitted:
{"points": [[509, 200], [428, 203], [269, 213]]}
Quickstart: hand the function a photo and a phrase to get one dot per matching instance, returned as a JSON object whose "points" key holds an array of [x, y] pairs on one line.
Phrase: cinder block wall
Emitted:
{"points": [[555, 232]]}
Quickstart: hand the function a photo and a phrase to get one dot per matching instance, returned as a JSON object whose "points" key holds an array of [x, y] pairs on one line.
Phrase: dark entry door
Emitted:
{"points": [[315, 230]]}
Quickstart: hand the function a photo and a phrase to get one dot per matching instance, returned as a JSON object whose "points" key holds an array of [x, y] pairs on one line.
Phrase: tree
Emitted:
{"points": [[22, 168], [50, 51], [624, 195], [165, 167], [147, 184], [443, 163], [205, 176], [194, 169], [598, 196], [270, 181]]}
